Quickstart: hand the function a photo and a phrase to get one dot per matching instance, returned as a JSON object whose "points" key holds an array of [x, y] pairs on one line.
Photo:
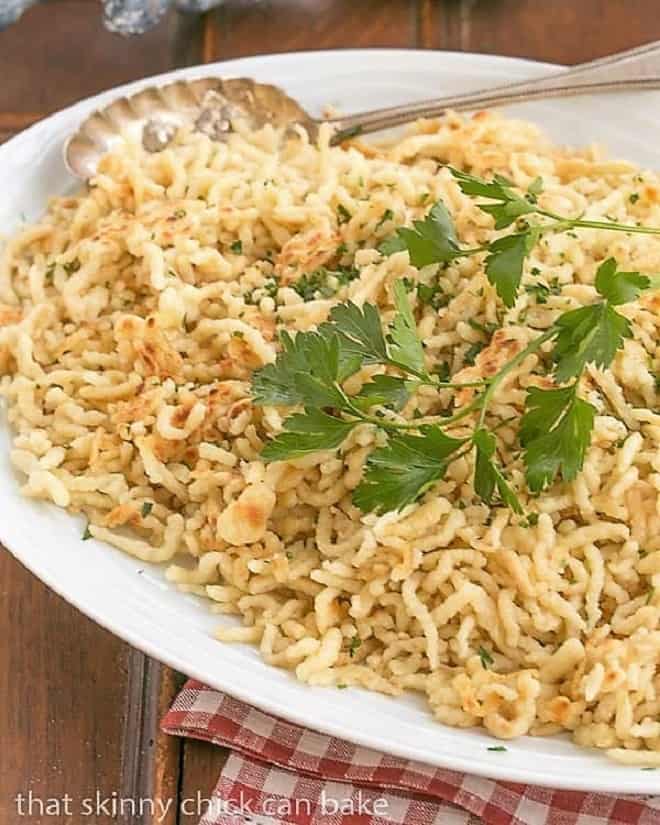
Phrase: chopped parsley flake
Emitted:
{"points": [[343, 215], [353, 646], [71, 266], [147, 507], [486, 659], [271, 285], [443, 371], [324, 283], [485, 329], [531, 520], [432, 295], [472, 352], [386, 216], [542, 292], [269, 289]]}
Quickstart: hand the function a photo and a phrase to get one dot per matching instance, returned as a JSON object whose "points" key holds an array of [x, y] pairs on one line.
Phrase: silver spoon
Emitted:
{"points": [[153, 115]]}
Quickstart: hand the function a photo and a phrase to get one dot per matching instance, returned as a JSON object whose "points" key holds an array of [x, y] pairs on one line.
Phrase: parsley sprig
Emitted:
{"points": [[411, 455], [434, 240]]}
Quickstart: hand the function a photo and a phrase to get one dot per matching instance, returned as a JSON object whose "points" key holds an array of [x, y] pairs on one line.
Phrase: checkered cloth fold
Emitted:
{"points": [[279, 773]]}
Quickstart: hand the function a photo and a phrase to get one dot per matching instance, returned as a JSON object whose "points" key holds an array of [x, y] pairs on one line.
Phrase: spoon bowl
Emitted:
{"points": [[153, 115]]}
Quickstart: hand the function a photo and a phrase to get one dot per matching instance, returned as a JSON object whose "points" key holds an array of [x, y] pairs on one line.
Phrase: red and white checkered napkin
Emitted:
{"points": [[279, 773]]}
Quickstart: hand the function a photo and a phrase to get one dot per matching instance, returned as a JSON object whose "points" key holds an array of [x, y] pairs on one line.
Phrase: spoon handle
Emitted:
{"points": [[635, 69]]}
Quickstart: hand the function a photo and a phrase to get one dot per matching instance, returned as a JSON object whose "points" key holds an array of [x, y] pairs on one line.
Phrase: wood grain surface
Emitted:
{"points": [[79, 709]]}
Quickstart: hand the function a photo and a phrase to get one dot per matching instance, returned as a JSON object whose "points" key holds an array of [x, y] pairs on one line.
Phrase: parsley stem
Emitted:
{"points": [[426, 380], [385, 424], [533, 346], [578, 223], [421, 376], [616, 227], [453, 385], [474, 250], [432, 419], [388, 424], [465, 411], [457, 385]]}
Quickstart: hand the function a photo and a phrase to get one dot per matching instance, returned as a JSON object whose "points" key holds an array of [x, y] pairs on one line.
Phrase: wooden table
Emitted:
{"points": [[79, 709]]}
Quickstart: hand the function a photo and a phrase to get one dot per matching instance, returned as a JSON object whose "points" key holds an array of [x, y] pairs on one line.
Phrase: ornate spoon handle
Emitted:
{"points": [[636, 69]]}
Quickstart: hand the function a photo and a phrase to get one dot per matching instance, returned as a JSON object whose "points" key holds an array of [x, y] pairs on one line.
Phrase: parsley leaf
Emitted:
{"points": [[499, 188], [430, 241], [360, 332], [589, 335], [306, 433], [488, 478], [619, 287], [506, 213], [510, 205], [385, 390], [306, 371], [318, 386], [394, 243], [400, 472], [405, 348], [311, 366], [555, 432], [593, 334], [504, 263], [273, 383], [535, 187], [147, 507]]}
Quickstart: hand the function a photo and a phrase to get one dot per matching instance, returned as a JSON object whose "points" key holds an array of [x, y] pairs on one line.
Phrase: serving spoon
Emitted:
{"points": [[153, 115]]}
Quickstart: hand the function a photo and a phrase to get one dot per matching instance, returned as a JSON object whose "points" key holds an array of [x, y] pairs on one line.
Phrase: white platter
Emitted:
{"points": [[133, 600]]}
